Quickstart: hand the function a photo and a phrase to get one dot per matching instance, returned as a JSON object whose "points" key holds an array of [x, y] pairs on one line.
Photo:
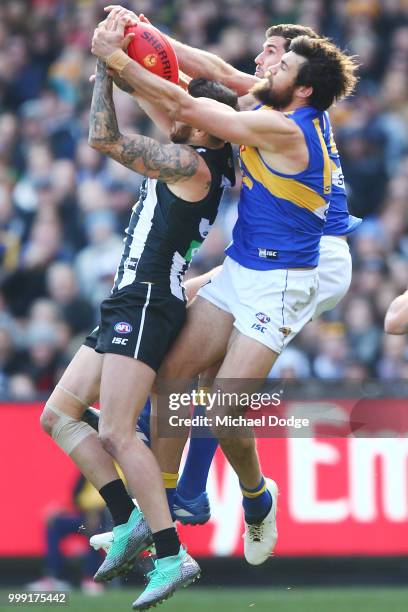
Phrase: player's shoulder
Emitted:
{"points": [[220, 161], [279, 121]]}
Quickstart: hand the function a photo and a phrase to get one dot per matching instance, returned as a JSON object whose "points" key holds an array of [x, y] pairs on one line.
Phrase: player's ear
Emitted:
{"points": [[304, 92], [199, 133]]}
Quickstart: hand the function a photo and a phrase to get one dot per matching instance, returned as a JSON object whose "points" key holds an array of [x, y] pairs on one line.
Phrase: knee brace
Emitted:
{"points": [[67, 432]]}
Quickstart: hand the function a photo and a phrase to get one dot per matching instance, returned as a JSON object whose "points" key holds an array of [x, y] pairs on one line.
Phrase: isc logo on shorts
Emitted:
{"points": [[123, 328], [259, 327], [121, 341]]}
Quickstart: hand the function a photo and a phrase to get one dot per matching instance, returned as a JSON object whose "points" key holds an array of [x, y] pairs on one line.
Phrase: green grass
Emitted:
{"points": [[197, 599]]}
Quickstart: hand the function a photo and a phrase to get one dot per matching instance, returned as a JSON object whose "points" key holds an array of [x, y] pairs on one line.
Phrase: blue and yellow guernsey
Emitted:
{"points": [[281, 217], [338, 221]]}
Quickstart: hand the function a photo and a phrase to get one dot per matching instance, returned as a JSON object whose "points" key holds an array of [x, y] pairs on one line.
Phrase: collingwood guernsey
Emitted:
{"points": [[165, 231]]}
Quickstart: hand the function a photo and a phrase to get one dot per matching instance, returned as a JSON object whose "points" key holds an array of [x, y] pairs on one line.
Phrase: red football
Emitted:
{"points": [[152, 51]]}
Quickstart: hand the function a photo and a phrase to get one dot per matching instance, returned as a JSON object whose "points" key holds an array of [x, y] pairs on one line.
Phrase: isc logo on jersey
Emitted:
{"points": [[123, 328]]}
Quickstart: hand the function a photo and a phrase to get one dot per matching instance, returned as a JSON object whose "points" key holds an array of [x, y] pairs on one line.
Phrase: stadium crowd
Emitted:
{"points": [[63, 207]]}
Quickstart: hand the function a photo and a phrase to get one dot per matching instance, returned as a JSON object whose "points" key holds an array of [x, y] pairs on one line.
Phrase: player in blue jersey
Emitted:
{"points": [[271, 265], [334, 264], [190, 504]]}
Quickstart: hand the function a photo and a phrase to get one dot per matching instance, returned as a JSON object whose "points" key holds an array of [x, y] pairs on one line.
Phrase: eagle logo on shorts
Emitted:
{"points": [[150, 60], [285, 331]]}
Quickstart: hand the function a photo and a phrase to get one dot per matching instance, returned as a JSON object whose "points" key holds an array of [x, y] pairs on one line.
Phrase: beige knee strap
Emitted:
{"points": [[68, 432], [75, 397]]}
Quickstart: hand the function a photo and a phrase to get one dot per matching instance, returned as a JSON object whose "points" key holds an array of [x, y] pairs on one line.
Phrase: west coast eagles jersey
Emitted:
{"points": [[281, 217]]}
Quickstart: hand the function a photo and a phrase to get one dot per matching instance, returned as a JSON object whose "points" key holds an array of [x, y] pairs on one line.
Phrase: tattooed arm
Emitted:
{"points": [[159, 118], [177, 165]]}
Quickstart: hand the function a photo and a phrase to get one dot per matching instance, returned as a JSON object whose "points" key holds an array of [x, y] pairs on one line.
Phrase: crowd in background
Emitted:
{"points": [[63, 206]]}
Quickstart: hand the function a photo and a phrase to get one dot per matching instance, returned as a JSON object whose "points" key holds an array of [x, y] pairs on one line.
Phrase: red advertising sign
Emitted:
{"points": [[337, 496]]}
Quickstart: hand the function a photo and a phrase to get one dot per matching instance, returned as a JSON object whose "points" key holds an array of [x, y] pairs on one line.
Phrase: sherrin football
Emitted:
{"points": [[152, 51]]}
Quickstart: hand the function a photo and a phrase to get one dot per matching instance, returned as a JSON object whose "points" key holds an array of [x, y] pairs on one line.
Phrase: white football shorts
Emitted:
{"points": [[273, 306], [270, 306], [335, 270]]}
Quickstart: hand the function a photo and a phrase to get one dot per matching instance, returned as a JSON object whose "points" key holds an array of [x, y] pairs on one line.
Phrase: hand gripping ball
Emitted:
{"points": [[152, 51]]}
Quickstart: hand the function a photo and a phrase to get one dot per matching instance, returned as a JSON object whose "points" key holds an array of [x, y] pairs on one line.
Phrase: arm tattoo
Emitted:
{"points": [[122, 84], [168, 163], [103, 126]]}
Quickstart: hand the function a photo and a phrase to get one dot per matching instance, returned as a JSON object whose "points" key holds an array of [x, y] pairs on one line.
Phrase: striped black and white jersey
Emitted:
{"points": [[165, 231]]}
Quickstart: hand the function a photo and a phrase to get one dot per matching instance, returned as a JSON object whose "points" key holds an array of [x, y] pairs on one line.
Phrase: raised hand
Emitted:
{"points": [[119, 11], [109, 37]]}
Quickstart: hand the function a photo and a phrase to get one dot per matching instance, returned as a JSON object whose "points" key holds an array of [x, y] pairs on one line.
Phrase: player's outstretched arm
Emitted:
{"points": [[199, 63], [159, 118], [169, 163], [265, 129], [396, 318]]}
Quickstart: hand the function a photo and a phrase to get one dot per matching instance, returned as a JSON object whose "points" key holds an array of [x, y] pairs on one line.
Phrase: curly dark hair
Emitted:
{"points": [[330, 72]]}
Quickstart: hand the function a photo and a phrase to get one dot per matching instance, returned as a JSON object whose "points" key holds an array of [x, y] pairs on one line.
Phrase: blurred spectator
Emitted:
{"points": [[292, 363], [392, 363], [363, 334], [96, 264], [21, 388], [43, 356], [89, 517], [331, 359], [63, 290]]}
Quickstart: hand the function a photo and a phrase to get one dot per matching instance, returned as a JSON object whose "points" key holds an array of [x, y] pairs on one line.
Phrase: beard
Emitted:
{"points": [[264, 93], [181, 135]]}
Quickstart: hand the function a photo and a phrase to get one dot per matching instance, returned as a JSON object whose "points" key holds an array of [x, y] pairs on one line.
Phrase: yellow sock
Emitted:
{"points": [[253, 493], [170, 480]]}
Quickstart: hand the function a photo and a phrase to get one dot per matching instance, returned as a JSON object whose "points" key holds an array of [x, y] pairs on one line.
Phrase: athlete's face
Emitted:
{"points": [[271, 54], [277, 88], [180, 132]]}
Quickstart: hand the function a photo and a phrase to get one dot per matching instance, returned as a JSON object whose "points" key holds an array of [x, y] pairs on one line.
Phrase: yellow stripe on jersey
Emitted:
{"points": [[280, 186], [333, 147], [247, 181], [327, 165]]}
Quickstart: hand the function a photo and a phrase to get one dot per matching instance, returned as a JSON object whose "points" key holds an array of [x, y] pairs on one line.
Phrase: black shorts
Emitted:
{"points": [[141, 321]]}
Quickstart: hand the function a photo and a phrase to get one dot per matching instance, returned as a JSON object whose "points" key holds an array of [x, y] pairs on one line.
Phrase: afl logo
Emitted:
{"points": [[263, 318], [123, 328], [150, 60]]}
